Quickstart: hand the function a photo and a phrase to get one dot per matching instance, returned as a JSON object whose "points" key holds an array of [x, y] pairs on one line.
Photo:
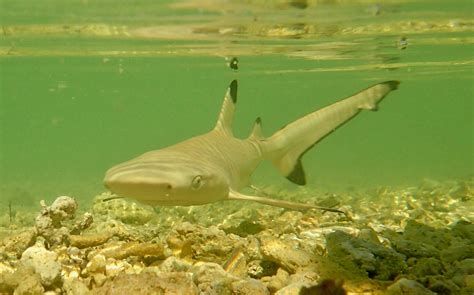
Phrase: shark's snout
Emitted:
{"points": [[166, 180], [140, 184]]}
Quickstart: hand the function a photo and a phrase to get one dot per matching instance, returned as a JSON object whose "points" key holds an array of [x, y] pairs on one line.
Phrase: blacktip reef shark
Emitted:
{"points": [[215, 166]]}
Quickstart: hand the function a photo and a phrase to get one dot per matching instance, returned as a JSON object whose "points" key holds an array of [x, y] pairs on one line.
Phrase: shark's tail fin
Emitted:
{"points": [[286, 147]]}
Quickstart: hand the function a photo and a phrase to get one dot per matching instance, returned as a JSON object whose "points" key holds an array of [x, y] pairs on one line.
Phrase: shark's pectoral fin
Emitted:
{"points": [[226, 116], [233, 195]]}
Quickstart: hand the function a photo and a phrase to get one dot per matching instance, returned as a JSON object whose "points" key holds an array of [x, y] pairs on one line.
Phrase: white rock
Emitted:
{"points": [[63, 208], [44, 263], [96, 264]]}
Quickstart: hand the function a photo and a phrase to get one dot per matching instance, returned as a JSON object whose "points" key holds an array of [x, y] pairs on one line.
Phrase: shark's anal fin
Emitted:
{"points": [[226, 116], [289, 144], [233, 195]]}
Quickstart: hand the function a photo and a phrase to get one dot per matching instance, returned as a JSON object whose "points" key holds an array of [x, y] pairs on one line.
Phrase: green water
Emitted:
{"points": [[85, 85]]}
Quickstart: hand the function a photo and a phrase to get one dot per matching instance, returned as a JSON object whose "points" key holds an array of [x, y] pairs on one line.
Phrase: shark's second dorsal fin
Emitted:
{"points": [[257, 130], [226, 116]]}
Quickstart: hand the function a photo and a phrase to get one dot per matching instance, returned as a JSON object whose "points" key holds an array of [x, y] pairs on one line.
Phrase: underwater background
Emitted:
{"points": [[85, 85]]}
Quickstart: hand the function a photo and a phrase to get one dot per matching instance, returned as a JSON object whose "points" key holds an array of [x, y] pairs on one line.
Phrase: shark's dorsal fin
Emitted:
{"points": [[257, 130], [226, 116]]}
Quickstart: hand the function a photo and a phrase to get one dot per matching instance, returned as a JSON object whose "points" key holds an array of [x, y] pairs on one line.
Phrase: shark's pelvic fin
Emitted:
{"points": [[226, 116], [233, 195], [286, 147]]}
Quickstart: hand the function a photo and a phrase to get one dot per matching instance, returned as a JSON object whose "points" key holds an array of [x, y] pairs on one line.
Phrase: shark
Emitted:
{"points": [[217, 166]]}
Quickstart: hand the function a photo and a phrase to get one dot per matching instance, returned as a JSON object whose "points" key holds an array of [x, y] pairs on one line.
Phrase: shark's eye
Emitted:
{"points": [[197, 182]]}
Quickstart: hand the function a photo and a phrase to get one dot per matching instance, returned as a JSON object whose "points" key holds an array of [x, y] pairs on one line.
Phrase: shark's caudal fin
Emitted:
{"points": [[226, 116], [288, 145]]}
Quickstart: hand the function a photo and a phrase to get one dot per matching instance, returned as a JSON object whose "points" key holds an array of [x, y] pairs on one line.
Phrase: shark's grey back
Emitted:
{"points": [[236, 158]]}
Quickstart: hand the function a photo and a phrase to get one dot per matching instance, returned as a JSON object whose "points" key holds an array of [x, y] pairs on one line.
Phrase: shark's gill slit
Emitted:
{"points": [[215, 166]]}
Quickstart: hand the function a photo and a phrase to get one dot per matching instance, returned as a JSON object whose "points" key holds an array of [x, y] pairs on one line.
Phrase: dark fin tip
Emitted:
{"points": [[233, 91], [258, 121], [297, 176], [392, 84]]}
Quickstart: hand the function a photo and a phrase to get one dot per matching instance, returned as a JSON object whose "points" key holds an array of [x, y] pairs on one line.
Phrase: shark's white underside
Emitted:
{"points": [[216, 166]]}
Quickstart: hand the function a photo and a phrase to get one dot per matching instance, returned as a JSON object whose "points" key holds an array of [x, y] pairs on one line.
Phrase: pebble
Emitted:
{"points": [[16, 244], [420, 235], [149, 283], [408, 287], [44, 263], [249, 287], [63, 208], [96, 264], [174, 264], [127, 249], [374, 259], [284, 254], [86, 241], [212, 278]]}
